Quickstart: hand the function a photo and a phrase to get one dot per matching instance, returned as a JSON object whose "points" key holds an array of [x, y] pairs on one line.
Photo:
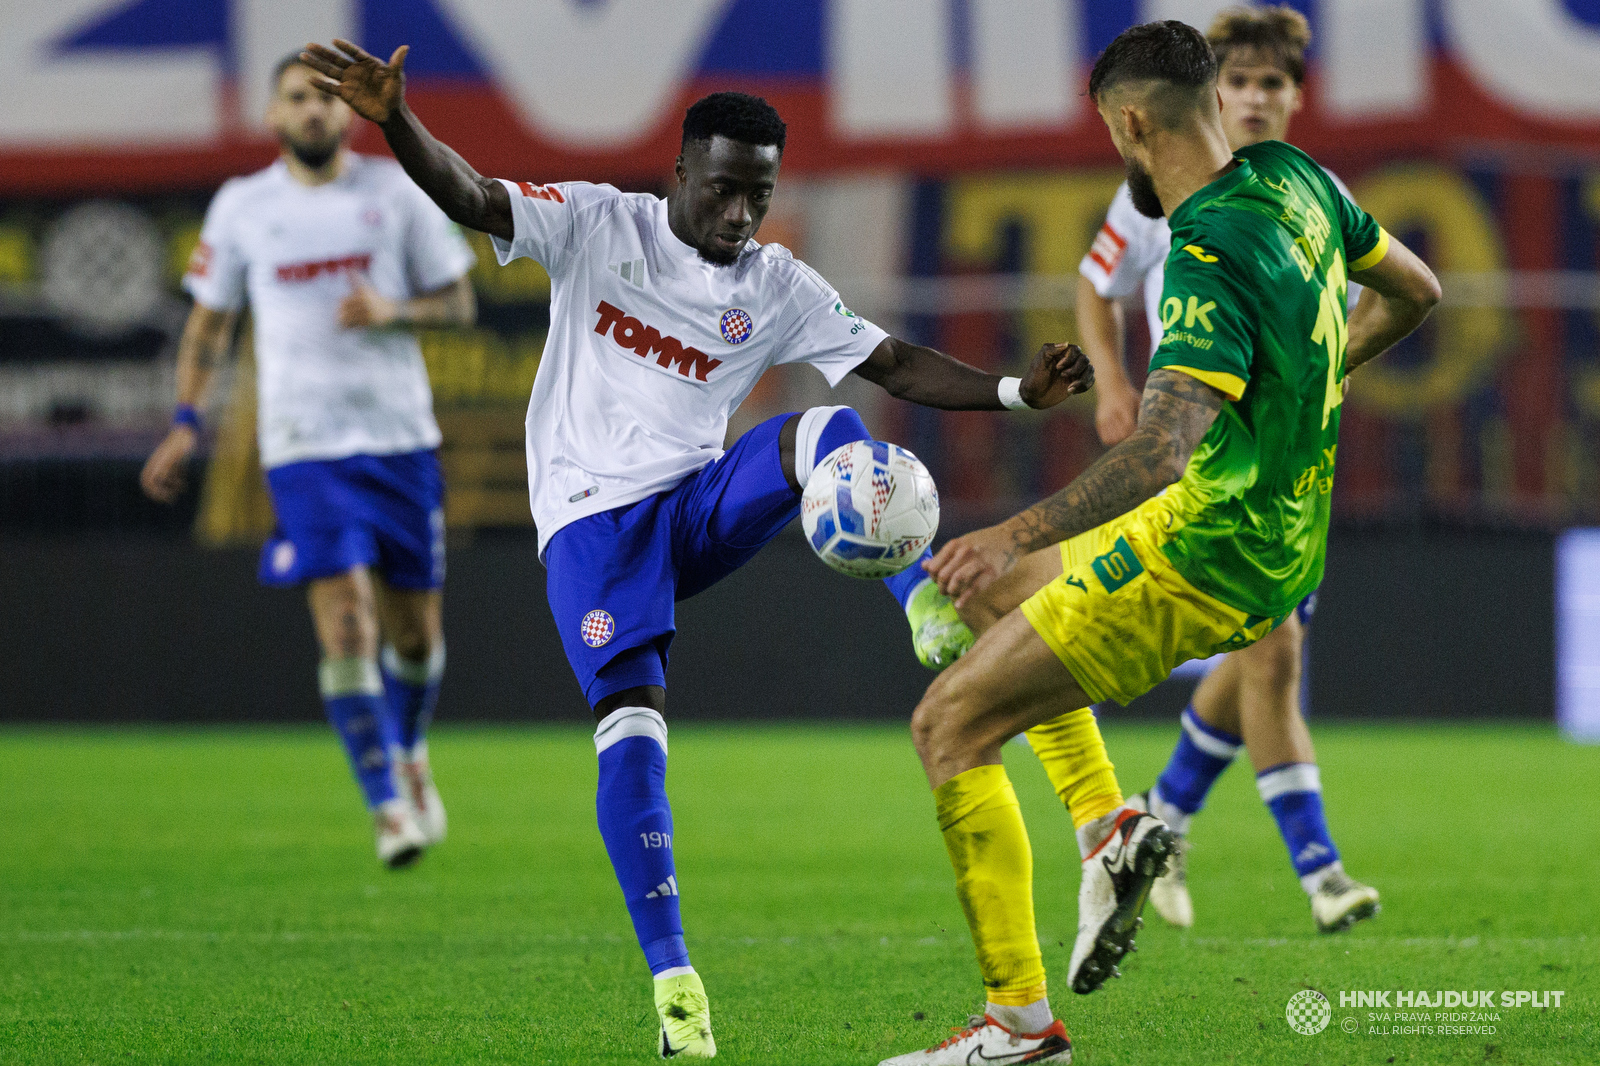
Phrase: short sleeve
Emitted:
{"points": [[436, 252], [1353, 291], [1365, 242], [823, 331], [1126, 247], [1207, 318], [217, 268], [544, 220]]}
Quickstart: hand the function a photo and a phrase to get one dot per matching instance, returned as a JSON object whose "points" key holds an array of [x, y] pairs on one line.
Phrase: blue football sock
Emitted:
{"points": [[907, 581], [412, 689], [636, 824], [1293, 791], [1202, 753], [352, 694], [824, 430]]}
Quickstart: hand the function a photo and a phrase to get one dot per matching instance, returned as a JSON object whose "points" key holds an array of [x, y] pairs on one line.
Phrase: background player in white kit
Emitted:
{"points": [[1251, 698], [336, 251], [664, 314]]}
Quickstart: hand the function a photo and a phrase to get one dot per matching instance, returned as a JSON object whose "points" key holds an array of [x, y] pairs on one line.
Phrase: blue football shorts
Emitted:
{"points": [[385, 512], [614, 577]]}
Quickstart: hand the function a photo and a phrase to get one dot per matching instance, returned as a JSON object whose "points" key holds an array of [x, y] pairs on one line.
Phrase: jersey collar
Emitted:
{"points": [[1206, 193]]}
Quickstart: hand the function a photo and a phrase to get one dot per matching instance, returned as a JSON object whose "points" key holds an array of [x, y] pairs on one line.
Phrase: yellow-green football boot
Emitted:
{"points": [[685, 1017], [938, 634]]}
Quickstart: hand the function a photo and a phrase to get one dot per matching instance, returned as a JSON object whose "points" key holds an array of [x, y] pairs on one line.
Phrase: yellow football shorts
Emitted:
{"points": [[1122, 618]]}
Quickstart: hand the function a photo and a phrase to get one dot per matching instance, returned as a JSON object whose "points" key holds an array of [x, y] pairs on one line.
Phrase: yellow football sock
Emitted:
{"points": [[1074, 755], [989, 849]]}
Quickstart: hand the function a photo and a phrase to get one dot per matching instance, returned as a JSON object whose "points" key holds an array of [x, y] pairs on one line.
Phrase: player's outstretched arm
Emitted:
{"points": [[933, 379], [205, 341], [375, 90], [1174, 415], [1399, 293]]}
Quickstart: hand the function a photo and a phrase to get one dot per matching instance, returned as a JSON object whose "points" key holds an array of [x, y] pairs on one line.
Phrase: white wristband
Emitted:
{"points": [[1011, 394]]}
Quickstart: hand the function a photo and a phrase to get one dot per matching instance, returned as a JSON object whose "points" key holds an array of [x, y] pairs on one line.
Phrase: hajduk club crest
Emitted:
{"points": [[736, 325]]}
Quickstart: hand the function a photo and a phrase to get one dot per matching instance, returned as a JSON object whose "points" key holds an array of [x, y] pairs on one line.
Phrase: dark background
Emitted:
{"points": [[1410, 624]]}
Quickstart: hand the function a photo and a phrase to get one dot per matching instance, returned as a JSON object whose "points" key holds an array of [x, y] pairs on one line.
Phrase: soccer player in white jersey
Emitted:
{"points": [[664, 313], [338, 254], [1251, 698]]}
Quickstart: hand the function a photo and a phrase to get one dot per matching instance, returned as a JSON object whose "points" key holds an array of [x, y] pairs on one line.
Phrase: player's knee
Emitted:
{"points": [[345, 616], [940, 724], [412, 641]]}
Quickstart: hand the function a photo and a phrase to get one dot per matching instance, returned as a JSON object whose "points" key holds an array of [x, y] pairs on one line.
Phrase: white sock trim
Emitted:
{"points": [[1296, 777], [349, 677], [1176, 817], [807, 434], [1023, 1021], [1206, 742], [625, 722], [412, 671], [1312, 881], [674, 971]]}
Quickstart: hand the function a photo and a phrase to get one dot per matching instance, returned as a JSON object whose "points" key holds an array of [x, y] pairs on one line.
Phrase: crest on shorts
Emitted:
{"points": [[597, 628], [736, 325], [283, 557]]}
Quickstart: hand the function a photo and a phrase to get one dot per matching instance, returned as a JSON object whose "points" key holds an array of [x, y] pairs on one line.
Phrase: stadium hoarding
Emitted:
{"points": [[946, 193], [112, 94]]}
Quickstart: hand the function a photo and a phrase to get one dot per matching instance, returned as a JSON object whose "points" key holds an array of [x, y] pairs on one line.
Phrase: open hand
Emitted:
{"points": [[967, 565], [366, 307], [374, 89], [163, 475], [1058, 371]]}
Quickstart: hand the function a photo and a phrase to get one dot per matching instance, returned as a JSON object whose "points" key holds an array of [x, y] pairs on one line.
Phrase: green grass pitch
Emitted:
{"points": [[211, 896]]}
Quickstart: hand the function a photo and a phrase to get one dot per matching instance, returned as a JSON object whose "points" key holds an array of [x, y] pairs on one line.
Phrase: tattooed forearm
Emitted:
{"points": [[1174, 415]]}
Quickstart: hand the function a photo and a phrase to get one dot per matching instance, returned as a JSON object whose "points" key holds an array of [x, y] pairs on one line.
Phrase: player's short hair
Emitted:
{"points": [[1171, 54], [291, 60], [1280, 33], [736, 116]]}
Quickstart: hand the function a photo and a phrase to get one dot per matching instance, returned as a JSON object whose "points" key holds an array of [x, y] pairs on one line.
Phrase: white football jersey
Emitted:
{"points": [[1129, 256], [651, 347], [325, 392]]}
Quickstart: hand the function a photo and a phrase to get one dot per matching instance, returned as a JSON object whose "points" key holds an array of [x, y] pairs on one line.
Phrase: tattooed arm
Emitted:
{"points": [[1175, 413], [205, 341]]}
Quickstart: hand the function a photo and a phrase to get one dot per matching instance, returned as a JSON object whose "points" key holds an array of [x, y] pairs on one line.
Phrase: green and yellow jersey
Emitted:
{"points": [[1254, 305]]}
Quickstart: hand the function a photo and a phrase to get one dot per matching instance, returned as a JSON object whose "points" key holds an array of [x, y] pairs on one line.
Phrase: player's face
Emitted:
{"points": [[1258, 98], [308, 122], [724, 190], [1135, 159]]}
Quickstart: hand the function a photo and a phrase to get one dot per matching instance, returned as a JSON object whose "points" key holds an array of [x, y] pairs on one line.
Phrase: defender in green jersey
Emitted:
{"points": [[1196, 534]]}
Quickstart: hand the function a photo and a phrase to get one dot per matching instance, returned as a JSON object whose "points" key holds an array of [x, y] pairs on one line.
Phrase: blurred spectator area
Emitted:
{"points": [[1490, 414]]}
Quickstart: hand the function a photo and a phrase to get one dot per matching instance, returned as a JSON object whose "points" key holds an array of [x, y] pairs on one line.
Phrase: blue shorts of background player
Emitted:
{"points": [[384, 512]]}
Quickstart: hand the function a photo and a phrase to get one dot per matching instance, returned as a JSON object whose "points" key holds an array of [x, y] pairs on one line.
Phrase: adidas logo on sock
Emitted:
{"points": [[669, 887], [631, 271], [1313, 850]]}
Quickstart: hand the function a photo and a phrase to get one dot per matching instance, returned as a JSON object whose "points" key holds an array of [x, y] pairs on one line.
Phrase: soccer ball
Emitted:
{"points": [[869, 509]]}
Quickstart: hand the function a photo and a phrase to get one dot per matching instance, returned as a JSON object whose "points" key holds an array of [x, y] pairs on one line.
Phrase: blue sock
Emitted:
{"points": [[636, 824], [1202, 753], [907, 581], [412, 690], [1294, 793], [824, 430], [352, 694]]}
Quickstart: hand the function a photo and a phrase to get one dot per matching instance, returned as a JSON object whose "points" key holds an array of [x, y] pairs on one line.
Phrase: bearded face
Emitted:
{"points": [[1142, 188]]}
